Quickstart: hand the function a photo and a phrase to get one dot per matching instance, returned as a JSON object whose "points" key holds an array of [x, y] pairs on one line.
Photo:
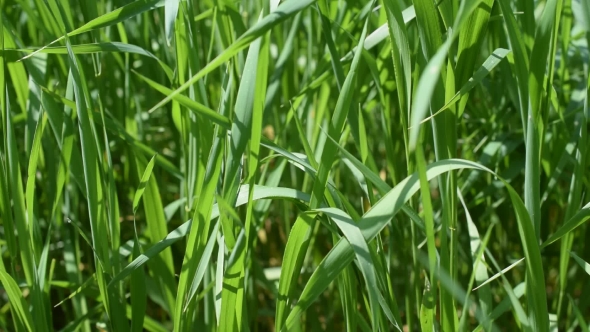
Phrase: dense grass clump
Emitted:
{"points": [[295, 165]]}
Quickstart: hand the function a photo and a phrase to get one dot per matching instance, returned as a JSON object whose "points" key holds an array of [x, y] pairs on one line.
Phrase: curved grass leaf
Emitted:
{"points": [[363, 256], [93, 48], [260, 192], [284, 11], [18, 303], [491, 62], [292, 261], [585, 266], [379, 216], [431, 74], [578, 219], [118, 15]]}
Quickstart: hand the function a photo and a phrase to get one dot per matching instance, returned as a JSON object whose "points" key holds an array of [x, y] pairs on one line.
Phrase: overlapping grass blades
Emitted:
{"points": [[241, 166]]}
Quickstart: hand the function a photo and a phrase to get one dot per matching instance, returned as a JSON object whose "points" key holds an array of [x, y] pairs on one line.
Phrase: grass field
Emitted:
{"points": [[296, 165]]}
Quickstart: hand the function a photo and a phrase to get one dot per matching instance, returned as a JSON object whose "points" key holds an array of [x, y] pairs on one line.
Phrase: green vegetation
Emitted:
{"points": [[296, 165]]}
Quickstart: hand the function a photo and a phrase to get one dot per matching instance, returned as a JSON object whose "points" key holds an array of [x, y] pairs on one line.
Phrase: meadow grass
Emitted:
{"points": [[296, 165]]}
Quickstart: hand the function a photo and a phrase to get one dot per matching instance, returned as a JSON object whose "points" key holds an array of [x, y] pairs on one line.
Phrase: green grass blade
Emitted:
{"points": [[17, 301], [491, 62], [363, 256], [170, 12], [138, 293], [118, 15], [585, 266], [575, 221], [292, 262], [285, 10], [143, 183]]}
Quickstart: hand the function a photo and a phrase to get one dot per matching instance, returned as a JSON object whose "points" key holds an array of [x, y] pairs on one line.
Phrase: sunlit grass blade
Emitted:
{"points": [[585, 266], [363, 256], [292, 262], [17, 301], [191, 104], [301, 136], [260, 192], [286, 9], [491, 62], [97, 48], [118, 15], [431, 73]]}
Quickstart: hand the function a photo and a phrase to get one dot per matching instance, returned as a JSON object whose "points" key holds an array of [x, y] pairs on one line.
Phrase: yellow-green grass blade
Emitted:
{"points": [[575, 221], [89, 282], [240, 134], [428, 225], [247, 128], [42, 320], [540, 55], [94, 192], [31, 176], [115, 47], [17, 301], [430, 76], [201, 269], [162, 266], [23, 226], [16, 71], [401, 56], [427, 322], [285, 10], [336, 125], [147, 173], [260, 192], [292, 261], [111, 18], [428, 20], [580, 153], [138, 286], [298, 244], [198, 236], [470, 40], [490, 64]]}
